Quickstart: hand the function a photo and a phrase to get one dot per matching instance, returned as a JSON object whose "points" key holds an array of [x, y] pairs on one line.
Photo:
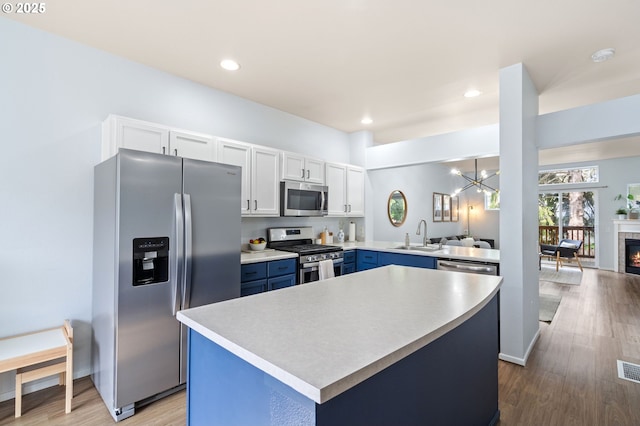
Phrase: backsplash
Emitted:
{"points": [[254, 227]]}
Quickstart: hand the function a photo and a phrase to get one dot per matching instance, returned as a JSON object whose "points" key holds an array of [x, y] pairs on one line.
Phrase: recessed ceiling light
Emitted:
{"points": [[472, 93], [603, 55], [230, 65], [366, 120]]}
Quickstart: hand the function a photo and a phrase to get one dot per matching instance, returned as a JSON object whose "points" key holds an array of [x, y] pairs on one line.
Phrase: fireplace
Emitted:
{"points": [[632, 256]]}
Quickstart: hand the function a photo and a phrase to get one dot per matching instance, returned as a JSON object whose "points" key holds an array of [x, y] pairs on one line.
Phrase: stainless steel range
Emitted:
{"points": [[300, 240]]}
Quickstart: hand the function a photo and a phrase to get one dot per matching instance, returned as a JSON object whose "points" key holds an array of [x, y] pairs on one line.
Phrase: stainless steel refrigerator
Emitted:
{"points": [[166, 237]]}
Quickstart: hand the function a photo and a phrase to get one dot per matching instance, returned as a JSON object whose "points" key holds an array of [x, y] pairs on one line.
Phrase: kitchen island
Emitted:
{"points": [[392, 345]]}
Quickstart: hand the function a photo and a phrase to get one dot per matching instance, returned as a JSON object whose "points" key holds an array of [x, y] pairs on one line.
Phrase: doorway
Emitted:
{"points": [[569, 215]]}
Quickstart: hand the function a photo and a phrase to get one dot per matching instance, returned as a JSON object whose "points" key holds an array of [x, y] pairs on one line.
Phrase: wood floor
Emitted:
{"points": [[570, 379]]}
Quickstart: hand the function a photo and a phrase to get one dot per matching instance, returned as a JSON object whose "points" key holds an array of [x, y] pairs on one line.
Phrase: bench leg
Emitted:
{"points": [[18, 395], [69, 381], [578, 259]]}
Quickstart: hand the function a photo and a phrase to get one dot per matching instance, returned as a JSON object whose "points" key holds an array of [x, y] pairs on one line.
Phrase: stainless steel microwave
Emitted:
{"points": [[303, 199]]}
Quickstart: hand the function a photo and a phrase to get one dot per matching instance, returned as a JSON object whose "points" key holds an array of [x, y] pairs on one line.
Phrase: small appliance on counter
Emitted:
{"points": [[300, 240]]}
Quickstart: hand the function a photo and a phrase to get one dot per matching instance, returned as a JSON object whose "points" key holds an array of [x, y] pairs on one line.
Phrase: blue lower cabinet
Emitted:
{"points": [[253, 271], [265, 276], [281, 282], [349, 262], [253, 287], [348, 268], [281, 267], [406, 260], [366, 259]]}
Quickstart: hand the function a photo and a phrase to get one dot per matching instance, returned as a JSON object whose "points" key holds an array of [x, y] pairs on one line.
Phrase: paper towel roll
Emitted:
{"points": [[352, 231]]}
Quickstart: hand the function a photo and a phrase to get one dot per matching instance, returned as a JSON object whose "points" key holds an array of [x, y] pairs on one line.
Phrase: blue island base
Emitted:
{"points": [[451, 381]]}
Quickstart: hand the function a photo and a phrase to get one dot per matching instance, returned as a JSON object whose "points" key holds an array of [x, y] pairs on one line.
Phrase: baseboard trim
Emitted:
{"points": [[521, 361]]}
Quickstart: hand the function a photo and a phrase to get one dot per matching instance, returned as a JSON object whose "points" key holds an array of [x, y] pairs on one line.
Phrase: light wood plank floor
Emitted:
{"points": [[570, 379]]}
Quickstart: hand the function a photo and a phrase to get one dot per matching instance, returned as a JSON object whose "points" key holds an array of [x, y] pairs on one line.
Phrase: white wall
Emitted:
{"points": [[418, 183], [55, 94]]}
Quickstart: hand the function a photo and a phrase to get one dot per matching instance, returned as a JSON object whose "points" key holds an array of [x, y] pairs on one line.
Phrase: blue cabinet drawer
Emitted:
{"points": [[282, 282], [253, 287], [253, 271], [366, 259], [282, 267], [349, 256], [406, 260], [366, 256]]}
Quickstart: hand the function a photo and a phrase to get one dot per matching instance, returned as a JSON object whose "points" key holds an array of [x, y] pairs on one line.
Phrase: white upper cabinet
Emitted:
{"points": [[265, 184], [355, 191], [300, 168], [122, 132], [238, 154], [192, 145], [346, 190], [260, 183]]}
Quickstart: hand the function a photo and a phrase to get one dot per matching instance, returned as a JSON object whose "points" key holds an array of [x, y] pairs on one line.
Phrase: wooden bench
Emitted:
{"points": [[37, 355]]}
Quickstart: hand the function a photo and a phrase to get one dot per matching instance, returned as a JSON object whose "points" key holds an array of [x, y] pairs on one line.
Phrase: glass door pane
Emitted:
{"points": [[578, 220], [548, 218]]}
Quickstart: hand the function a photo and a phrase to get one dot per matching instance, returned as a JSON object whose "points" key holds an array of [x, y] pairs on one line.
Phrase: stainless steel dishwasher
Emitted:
{"points": [[470, 266]]}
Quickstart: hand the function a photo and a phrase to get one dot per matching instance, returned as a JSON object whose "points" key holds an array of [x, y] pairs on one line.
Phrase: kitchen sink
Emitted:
{"points": [[427, 248]]}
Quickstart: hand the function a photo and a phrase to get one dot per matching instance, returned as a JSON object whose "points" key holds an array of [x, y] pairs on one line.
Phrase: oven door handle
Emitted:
{"points": [[313, 266]]}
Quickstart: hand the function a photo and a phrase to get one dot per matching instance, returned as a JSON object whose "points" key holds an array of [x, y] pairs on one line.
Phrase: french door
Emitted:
{"points": [[568, 215]]}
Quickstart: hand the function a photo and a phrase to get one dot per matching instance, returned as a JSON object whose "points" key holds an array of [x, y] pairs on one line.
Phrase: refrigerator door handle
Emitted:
{"points": [[188, 252], [178, 272]]}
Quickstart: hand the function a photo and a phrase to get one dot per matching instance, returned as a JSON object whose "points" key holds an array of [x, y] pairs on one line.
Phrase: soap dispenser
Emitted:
{"points": [[407, 240]]}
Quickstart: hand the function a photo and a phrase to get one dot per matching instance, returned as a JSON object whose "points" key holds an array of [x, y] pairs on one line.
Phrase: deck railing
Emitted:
{"points": [[586, 234]]}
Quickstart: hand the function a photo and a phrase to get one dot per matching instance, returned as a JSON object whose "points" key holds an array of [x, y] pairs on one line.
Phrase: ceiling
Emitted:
{"points": [[404, 63]]}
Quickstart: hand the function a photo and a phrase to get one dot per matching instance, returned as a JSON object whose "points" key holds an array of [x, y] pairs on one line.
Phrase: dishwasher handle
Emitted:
{"points": [[466, 267]]}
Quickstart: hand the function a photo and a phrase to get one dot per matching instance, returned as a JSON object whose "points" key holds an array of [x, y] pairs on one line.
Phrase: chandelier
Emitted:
{"points": [[477, 182]]}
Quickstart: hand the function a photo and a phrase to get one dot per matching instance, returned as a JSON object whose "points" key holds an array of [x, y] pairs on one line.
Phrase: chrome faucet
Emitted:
{"points": [[424, 238]]}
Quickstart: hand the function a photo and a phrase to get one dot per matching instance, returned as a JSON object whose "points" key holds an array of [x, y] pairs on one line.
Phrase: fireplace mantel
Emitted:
{"points": [[628, 226]]}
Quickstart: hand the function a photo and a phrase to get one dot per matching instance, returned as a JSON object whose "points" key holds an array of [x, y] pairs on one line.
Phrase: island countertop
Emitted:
{"points": [[324, 337]]}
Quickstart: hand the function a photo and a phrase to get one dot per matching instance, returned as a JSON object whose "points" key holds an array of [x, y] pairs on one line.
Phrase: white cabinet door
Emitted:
{"points": [[122, 132], [355, 191], [265, 182], [336, 175], [346, 190], [303, 169], [314, 171], [238, 154], [293, 167], [192, 145]]}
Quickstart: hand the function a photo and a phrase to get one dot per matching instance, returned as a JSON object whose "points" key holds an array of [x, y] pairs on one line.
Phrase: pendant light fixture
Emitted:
{"points": [[475, 182]]}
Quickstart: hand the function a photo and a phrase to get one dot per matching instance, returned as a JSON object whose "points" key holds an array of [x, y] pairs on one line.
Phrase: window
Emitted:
{"points": [[492, 201], [568, 176]]}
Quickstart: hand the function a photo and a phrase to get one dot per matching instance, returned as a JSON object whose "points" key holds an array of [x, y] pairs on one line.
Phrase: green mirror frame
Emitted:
{"points": [[397, 208]]}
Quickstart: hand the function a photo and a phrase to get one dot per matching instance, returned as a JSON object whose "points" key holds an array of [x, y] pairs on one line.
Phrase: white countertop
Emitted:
{"points": [[449, 252], [265, 256], [325, 337]]}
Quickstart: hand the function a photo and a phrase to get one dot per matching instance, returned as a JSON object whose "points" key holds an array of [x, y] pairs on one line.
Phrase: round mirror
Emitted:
{"points": [[397, 208]]}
